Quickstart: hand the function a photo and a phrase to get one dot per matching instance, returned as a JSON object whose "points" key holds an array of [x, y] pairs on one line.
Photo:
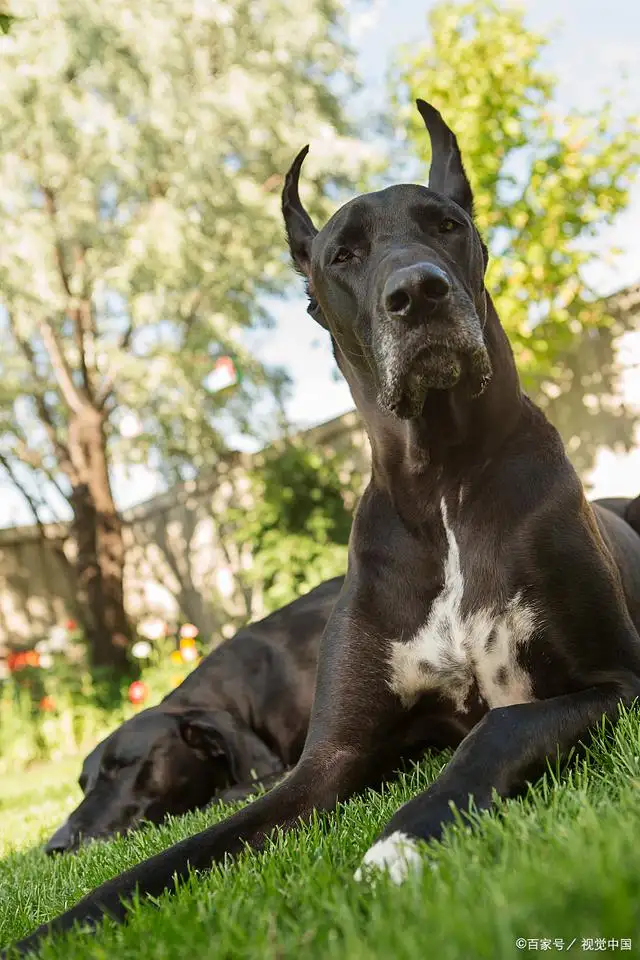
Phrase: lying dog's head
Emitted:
{"points": [[160, 762], [397, 277]]}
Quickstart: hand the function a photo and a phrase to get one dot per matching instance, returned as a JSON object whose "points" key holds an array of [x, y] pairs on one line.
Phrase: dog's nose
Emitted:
{"points": [[412, 291], [62, 840]]}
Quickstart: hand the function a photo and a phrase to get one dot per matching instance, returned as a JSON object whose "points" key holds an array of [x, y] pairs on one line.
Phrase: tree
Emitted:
{"points": [[143, 146], [545, 183], [299, 520], [5, 22]]}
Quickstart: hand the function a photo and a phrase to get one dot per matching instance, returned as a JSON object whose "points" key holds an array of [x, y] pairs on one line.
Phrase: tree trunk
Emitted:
{"points": [[100, 561]]}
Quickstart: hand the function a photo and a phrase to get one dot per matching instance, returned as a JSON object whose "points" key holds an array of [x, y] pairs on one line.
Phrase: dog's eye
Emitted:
{"points": [[447, 225], [342, 255]]}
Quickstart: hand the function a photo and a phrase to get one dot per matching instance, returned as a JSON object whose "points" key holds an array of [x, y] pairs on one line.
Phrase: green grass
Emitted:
{"points": [[562, 862]]}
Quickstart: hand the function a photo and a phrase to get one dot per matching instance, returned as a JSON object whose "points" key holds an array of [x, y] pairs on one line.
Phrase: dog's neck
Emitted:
{"points": [[456, 435]]}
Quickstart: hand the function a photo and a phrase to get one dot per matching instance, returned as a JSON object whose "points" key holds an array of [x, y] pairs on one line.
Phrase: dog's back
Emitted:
{"points": [[623, 540], [281, 648], [624, 507]]}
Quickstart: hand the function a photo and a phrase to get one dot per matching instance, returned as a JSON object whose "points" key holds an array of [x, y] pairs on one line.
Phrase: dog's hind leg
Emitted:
{"points": [[508, 747]]}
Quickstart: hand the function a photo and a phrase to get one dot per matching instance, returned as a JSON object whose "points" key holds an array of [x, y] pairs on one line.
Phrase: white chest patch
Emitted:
{"points": [[452, 652]]}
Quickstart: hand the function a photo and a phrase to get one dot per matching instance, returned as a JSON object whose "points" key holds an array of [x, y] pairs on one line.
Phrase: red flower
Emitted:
{"points": [[138, 692], [71, 625], [25, 658], [47, 704], [13, 661]]}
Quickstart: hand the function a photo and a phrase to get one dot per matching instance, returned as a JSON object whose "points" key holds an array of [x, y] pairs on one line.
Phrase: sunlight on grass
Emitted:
{"points": [[559, 864]]}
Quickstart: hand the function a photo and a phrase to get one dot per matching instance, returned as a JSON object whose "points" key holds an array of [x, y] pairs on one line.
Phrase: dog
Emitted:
{"points": [[626, 508], [487, 606], [182, 755], [233, 726], [206, 741]]}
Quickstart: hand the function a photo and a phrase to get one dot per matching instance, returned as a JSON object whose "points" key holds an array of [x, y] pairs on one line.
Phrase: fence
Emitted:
{"points": [[182, 557]]}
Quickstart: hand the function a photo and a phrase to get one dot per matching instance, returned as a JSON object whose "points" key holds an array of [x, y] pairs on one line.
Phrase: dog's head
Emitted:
{"points": [[155, 764], [397, 277]]}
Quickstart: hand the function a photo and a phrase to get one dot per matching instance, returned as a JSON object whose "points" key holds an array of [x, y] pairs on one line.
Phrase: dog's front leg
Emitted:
{"points": [[316, 783], [509, 746], [345, 752]]}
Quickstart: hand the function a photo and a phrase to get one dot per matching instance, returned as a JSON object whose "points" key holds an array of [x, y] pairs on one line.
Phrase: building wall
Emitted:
{"points": [[183, 560]]}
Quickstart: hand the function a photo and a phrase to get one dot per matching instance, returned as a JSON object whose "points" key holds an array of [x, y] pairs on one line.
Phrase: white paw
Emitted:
{"points": [[397, 855]]}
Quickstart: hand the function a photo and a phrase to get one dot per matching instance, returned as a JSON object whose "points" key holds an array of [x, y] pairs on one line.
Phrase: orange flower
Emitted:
{"points": [[176, 656], [47, 704], [187, 643], [71, 625], [25, 658]]}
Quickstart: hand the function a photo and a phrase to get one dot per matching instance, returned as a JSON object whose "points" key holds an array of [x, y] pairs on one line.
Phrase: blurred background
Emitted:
{"points": [[178, 454]]}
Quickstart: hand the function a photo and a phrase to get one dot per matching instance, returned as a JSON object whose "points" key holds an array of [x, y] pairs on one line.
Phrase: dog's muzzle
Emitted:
{"points": [[431, 339], [62, 841]]}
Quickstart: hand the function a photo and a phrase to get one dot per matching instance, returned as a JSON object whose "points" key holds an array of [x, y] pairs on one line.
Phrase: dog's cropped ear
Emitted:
{"points": [[446, 174], [211, 734], [300, 229]]}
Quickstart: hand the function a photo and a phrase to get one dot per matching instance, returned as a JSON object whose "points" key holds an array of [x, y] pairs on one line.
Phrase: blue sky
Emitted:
{"points": [[590, 42]]}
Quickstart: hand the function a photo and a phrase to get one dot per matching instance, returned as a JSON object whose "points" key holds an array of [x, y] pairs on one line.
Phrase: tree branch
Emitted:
{"points": [[53, 543], [75, 399], [5, 463], [125, 340], [50, 203], [35, 460], [80, 329], [77, 311], [42, 407], [189, 320], [111, 374]]}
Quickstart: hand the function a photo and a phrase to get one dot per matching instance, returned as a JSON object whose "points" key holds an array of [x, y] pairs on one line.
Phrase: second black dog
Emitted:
{"points": [[235, 724]]}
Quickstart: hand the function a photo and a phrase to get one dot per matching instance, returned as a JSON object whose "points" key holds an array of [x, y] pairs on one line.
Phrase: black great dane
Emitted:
{"points": [[232, 726], [486, 606]]}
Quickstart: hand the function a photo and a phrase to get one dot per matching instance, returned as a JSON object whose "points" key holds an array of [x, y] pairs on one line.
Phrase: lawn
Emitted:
{"points": [[559, 866]]}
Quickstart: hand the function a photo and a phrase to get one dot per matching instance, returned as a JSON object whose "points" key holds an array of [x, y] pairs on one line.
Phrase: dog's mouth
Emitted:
{"points": [[436, 367]]}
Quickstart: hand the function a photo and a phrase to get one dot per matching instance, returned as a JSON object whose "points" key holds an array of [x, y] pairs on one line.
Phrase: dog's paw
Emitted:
{"points": [[397, 855]]}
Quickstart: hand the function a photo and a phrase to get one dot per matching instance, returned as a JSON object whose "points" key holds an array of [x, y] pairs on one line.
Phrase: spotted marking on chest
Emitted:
{"points": [[453, 652]]}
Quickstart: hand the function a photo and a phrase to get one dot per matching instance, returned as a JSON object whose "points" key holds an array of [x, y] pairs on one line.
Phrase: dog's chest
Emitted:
{"points": [[457, 653]]}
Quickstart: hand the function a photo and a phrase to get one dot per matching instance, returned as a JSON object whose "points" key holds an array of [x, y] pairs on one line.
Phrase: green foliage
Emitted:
{"points": [[54, 711], [299, 520], [545, 182], [141, 159], [5, 22], [50, 717]]}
